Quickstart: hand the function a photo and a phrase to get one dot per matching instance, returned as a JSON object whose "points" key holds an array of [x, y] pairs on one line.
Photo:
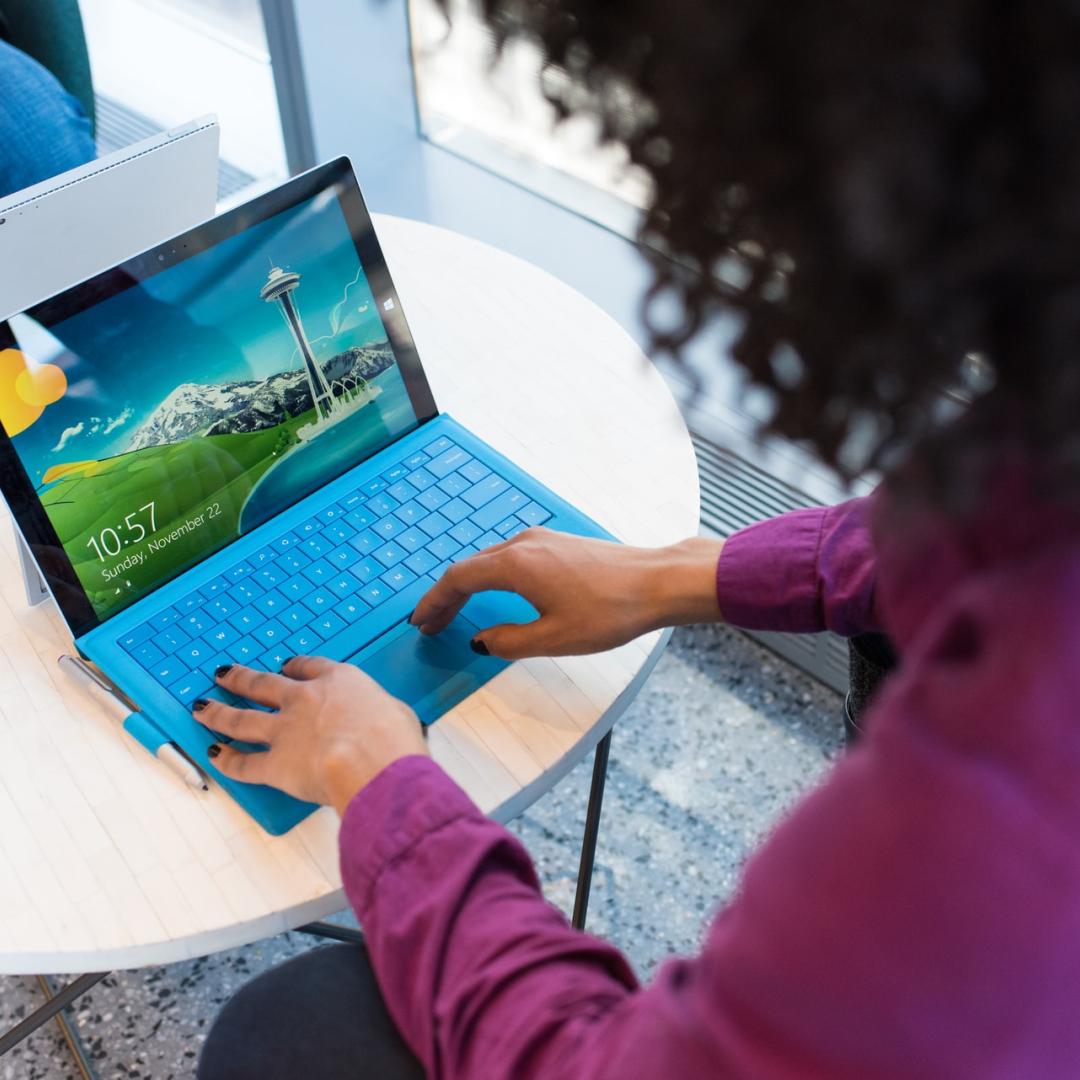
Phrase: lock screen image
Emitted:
{"points": [[169, 419]]}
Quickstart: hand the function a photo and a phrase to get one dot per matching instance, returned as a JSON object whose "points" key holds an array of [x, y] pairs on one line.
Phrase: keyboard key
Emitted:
{"points": [[507, 526], [448, 461], [486, 541], [432, 499], [245, 651], [262, 558], [410, 513], [417, 459], [191, 602], [296, 617], [365, 542], [398, 578], [274, 659], [352, 501], [396, 473], [222, 607], [331, 513], [292, 562], [343, 585], [465, 532], [389, 554], [196, 623], [270, 633], [320, 600], [188, 687], [421, 562], [315, 546], [296, 588], [221, 636], [246, 619], [270, 603], [367, 570], [484, 491], [240, 570], [136, 636], [283, 543], [195, 653], [164, 618], [520, 527], [464, 553], [310, 528], [329, 624], [502, 506], [533, 514], [351, 609], [270, 576], [474, 471], [454, 485], [373, 487], [375, 592], [338, 532], [413, 539], [319, 572], [438, 446], [422, 479], [388, 527], [343, 557], [403, 491], [167, 671], [304, 641], [170, 639], [434, 524], [362, 518], [456, 510], [147, 653], [244, 592], [444, 547], [212, 588]]}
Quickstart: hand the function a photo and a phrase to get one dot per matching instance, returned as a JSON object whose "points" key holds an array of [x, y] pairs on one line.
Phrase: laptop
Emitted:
{"points": [[225, 450]]}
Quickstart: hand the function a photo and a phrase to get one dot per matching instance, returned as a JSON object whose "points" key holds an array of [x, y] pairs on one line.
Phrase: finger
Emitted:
{"points": [[490, 569], [307, 667], [258, 686], [248, 725], [249, 768], [515, 641]]}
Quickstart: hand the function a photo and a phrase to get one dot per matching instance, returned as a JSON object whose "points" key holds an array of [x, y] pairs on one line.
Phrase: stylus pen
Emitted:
{"points": [[143, 730]]}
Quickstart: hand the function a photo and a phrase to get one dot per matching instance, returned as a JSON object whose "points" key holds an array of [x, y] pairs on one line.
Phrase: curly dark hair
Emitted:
{"points": [[887, 192]]}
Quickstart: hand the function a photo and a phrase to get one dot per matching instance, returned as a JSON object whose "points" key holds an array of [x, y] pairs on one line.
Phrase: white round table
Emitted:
{"points": [[107, 861]]}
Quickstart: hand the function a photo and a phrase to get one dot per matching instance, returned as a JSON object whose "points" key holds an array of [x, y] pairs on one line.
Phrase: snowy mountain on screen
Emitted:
{"points": [[224, 408]]}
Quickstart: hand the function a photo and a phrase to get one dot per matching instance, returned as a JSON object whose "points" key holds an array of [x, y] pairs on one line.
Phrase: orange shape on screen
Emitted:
{"points": [[41, 385], [16, 413]]}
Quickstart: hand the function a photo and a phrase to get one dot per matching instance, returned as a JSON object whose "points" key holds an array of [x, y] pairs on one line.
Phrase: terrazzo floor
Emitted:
{"points": [[722, 740]]}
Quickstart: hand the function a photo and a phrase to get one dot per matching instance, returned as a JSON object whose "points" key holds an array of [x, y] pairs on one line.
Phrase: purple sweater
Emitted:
{"points": [[916, 916]]}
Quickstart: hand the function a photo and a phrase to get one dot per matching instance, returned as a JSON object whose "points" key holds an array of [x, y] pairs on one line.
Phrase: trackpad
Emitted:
{"points": [[432, 674]]}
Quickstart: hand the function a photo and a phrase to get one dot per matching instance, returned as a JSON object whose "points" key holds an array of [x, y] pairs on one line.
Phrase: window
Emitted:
{"points": [[498, 118]]}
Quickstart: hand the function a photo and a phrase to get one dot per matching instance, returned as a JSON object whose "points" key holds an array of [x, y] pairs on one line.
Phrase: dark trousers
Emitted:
{"points": [[319, 1016]]}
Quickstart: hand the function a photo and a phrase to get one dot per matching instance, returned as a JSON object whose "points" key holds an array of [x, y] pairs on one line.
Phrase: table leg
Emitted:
{"points": [[592, 828], [333, 932], [55, 1004]]}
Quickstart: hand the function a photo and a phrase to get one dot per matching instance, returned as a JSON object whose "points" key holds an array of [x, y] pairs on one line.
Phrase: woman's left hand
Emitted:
{"points": [[335, 729]]}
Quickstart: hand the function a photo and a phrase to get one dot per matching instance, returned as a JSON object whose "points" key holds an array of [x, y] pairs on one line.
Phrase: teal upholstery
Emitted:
{"points": [[51, 31]]}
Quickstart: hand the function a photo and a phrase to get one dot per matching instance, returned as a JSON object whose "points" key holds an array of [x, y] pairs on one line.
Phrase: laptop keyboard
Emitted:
{"points": [[340, 579]]}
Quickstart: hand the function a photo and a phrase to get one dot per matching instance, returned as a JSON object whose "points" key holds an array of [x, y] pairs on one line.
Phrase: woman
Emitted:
{"points": [[889, 196]]}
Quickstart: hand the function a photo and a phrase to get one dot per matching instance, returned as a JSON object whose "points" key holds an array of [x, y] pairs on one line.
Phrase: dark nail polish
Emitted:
{"points": [[213, 751], [222, 671], [285, 663], [411, 614], [199, 704], [478, 646]]}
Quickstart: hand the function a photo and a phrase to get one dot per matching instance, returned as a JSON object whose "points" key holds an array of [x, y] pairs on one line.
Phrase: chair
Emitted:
{"points": [[51, 31]]}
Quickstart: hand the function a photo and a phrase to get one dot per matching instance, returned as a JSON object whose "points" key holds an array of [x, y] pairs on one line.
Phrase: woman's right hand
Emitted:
{"points": [[591, 594]]}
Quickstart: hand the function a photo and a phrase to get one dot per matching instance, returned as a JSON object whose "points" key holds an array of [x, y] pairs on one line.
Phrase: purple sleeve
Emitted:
{"points": [[802, 572]]}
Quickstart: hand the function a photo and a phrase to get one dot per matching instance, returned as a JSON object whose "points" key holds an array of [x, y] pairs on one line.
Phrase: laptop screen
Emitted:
{"points": [[165, 418]]}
